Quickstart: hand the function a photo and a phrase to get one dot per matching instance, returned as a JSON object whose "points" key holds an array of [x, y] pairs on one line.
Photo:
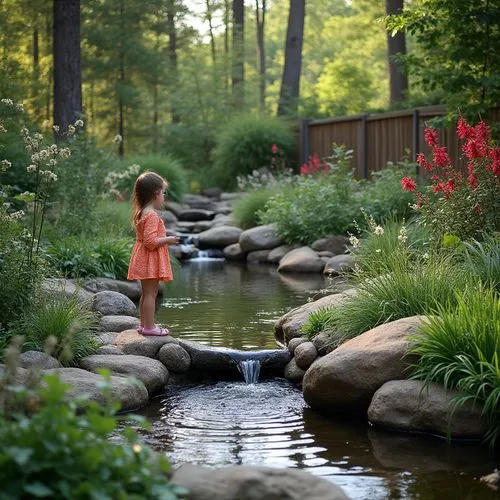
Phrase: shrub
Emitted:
{"points": [[168, 167], [113, 218], [245, 144], [247, 210], [76, 257], [463, 206], [61, 449], [460, 348], [72, 326]]}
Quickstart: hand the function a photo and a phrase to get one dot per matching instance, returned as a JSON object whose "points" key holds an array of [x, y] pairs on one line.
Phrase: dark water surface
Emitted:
{"points": [[223, 423]]}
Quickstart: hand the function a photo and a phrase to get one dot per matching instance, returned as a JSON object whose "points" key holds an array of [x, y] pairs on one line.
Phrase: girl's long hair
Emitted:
{"points": [[145, 188]]}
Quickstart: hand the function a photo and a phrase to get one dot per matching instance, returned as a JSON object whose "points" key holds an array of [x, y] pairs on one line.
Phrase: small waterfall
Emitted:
{"points": [[250, 369]]}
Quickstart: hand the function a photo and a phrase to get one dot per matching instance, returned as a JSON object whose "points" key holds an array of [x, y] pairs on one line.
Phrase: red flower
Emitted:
{"points": [[423, 162], [448, 188], [274, 149], [441, 157], [408, 184], [474, 149], [470, 168], [472, 179], [435, 178], [482, 132], [431, 137], [438, 187], [464, 130]]}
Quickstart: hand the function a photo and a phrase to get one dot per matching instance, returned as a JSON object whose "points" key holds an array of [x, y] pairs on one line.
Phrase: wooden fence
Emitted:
{"points": [[379, 138]]}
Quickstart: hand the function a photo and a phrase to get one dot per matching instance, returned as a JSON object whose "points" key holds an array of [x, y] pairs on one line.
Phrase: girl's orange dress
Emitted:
{"points": [[148, 260]]}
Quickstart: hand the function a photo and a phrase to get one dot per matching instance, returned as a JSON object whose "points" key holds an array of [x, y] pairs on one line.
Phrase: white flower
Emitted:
{"points": [[65, 152], [56, 128], [426, 256], [20, 107], [403, 234], [9, 102], [31, 168], [354, 241], [53, 148], [79, 123], [51, 176], [16, 215], [52, 162], [2, 128], [378, 250], [118, 138], [5, 164], [379, 230], [71, 129]]}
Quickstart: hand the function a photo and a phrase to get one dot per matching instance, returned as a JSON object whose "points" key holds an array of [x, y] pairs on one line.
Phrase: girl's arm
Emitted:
{"points": [[151, 239]]}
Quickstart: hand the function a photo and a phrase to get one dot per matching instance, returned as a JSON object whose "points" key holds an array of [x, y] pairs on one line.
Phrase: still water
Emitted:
{"points": [[222, 423]]}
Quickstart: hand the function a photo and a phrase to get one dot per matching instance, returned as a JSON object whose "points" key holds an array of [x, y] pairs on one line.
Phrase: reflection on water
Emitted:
{"points": [[231, 305], [224, 423]]}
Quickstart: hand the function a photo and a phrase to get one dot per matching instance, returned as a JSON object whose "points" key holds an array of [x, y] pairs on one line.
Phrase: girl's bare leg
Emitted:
{"points": [[149, 292], [141, 311]]}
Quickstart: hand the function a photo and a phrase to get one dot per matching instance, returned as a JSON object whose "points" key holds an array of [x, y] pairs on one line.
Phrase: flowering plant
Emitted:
{"points": [[456, 203]]}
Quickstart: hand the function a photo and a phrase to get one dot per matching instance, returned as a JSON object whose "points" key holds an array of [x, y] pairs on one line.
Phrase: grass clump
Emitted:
{"points": [[318, 321], [247, 210], [459, 348], [71, 326]]}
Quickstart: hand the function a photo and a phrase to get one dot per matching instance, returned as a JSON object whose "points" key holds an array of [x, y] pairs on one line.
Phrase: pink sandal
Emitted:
{"points": [[156, 331]]}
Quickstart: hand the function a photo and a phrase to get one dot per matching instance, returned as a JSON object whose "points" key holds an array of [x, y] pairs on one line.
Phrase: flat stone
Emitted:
{"points": [[150, 372], [30, 359], [199, 202], [219, 237], [254, 483], [338, 264], [109, 349], [276, 254], [234, 252], [175, 208], [118, 323], [131, 395], [113, 303], [409, 405], [131, 342], [60, 287], [335, 244], [132, 289], [195, 215], [257, 256]]}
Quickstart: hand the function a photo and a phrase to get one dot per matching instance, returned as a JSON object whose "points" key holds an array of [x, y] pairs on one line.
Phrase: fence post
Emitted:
{"points": [[416, 138], [363, 146], [304, 140]]}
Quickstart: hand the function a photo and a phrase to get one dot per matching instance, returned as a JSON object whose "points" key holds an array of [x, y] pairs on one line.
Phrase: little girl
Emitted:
{"points": [[150, 261]]}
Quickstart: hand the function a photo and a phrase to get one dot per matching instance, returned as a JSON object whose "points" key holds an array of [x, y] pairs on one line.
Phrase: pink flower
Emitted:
{"points": [[274, 149], [408, 184]]}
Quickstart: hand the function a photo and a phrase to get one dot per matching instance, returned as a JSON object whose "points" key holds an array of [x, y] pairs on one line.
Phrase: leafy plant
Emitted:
{"points": [[245, 144], [459, 347], [247, 210], [61, 449], [318, 321], [482, 259], [71, 324]]}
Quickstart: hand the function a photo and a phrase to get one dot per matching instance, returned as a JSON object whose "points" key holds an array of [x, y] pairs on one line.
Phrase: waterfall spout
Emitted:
{"points": [[250, 369]]}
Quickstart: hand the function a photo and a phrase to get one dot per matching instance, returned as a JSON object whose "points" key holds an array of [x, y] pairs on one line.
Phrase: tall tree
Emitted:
{"points": [[260, 13], [290, 83], [396, 45], [67, 68], [172, 53], [238, 65], [209, 16]]}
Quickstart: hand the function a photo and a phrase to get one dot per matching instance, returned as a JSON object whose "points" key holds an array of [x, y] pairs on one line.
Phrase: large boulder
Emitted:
{"points": [[113, 303], [234, 252], [37, 359], [130, 394], [257, 256], [409, 405], [118, 323], [290, 324], [132, 289], [301, 260], [254, 483], [260, 238], [150, 372], [346, 379], [175, 358], [198, 201], [222, 220], [335, 244], [65, 289], [219, 237], [338, 264], [175, 208], [131, 342]]}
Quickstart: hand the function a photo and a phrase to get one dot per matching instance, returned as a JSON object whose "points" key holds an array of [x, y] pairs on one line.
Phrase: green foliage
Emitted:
{"points": [[63, 451], [244, 144], [247, 210], [318, 321], [460, 348], [76, 257], [456, 50], [71, 324], [168, 167], [409, 288], [482, 259], [113, 219]]}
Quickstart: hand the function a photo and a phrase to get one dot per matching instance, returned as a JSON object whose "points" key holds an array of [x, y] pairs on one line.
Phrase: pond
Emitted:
{"points": [[220, 423]]}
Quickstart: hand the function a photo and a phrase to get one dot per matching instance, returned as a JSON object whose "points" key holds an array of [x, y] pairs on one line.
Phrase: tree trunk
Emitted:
{"points": [[238, 66], [121, 113], [211, 30], [49, 50], [226, 46], [290, 83], [396, 45], [172, 54], [67, 68], [261, 19], [35, 82]]}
